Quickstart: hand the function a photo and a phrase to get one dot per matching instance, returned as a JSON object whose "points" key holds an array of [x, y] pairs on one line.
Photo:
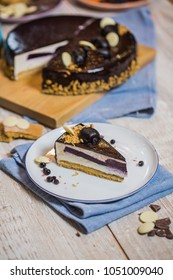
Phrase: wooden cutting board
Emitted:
{"points": [[24, 96]]}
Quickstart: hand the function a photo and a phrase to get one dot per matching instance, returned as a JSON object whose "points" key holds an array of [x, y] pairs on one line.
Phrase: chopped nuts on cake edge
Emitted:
{"points": [[77, 88]]}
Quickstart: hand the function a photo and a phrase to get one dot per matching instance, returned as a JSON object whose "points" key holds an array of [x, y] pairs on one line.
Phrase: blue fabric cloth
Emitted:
{"points": [[136, 97], [90, 217]]}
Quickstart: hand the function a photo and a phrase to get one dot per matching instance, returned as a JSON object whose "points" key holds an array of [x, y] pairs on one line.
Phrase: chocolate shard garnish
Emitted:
{"points": [[161, 232], [169, 233], [152, 233], [162, 223], [155, 207]]}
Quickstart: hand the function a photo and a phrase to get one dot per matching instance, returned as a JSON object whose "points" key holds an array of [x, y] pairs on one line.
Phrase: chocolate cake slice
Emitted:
{"points": [[101, 56], [82, 148]]}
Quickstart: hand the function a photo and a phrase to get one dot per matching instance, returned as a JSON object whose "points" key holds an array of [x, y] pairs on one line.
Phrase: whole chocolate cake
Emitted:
{"points": [[32, 44], [82, 54], [101, 56]]}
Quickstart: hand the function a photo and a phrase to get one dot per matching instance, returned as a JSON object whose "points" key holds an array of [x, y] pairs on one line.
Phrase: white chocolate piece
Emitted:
{"points": [[10, 121], [68, 129], [66, 59], [113, 39], [23, 124], [145, 228], [148, 216], [51, 154], [106, 21], [43, 159], [88, 44]]}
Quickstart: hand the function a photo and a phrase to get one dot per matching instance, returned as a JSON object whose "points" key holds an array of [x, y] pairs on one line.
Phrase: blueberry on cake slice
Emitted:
{"points": [[82, 148]]}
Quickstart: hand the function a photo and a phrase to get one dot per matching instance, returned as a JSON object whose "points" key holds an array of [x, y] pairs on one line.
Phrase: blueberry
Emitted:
{"points": [[46, 171], [56, 181], [49, 179], [89, 135], [140, 163], [112, 141], [79, 56], [42, 164], [104, 52], [100, 42]]}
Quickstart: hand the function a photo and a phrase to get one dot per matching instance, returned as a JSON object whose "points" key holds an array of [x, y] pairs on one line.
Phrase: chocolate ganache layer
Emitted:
{"points": [[96, 59]]}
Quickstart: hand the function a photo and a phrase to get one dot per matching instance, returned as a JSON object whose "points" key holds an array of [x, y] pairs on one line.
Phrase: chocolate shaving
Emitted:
{"points": [[162, 223], [155, 207], [160, 232], [152, 233]]}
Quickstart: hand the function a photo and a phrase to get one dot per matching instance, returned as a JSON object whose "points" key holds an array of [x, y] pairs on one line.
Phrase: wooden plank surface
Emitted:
{"points": [[32, 230], [24, 96]]}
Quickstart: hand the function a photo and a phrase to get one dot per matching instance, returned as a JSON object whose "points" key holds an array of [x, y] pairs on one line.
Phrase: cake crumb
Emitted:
{"points": [[77, 234], [75, 174]]}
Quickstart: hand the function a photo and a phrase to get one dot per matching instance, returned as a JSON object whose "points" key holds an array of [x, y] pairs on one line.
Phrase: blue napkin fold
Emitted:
{"points": [[90, 217], [136, 97]]}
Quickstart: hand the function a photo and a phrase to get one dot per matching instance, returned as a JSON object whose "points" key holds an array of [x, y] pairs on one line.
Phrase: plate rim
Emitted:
{"points": [[29, 17], [114, 6], [93, 201]]}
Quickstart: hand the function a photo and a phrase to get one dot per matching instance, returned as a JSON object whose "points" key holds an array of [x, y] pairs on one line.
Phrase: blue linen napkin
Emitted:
{"points": [[90, 217], [136, 97]]}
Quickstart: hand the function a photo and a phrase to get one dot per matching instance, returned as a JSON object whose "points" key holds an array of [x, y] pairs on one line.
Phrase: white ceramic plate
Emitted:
{"points": [[90, 189]]}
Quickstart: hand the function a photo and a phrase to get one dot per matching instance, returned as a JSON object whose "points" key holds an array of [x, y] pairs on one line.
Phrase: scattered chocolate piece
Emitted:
{"points": [[169, 233], [160, 232], [155, 207], [152, 233], [162, 223], [161, 226]]}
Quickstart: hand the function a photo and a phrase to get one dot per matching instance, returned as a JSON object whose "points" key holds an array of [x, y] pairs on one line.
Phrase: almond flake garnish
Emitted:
{"points": [[106, 21], [68, 129], [66, 59], [88, 44], [112, 39]]}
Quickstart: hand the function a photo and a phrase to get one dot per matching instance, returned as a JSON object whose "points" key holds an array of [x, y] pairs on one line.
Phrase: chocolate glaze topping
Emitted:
{"points": [[39, 33]]}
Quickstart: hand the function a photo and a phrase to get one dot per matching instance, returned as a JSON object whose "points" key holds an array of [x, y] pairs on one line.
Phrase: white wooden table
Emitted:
{"points": [[30, 229]]}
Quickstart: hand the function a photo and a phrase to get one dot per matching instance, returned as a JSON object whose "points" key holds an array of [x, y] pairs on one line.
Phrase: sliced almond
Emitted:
{"points": [[106, 21], [23, 124], [88, 44], [66, 59], [43, 159], [112, 39], [10, 121], [68, 129]]}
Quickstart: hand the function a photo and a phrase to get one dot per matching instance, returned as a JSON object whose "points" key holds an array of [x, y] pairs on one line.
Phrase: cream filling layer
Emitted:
{"points": [[69, 157], [22, 63]]}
